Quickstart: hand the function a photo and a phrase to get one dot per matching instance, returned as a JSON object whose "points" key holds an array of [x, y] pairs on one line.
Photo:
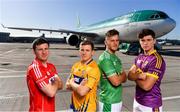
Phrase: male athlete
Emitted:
{"points": [[147, 72], [42, 79], [112, 75], [83, 80]]}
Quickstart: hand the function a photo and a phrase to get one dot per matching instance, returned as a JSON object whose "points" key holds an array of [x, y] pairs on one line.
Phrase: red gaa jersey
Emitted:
{"points": [[39, 76]]}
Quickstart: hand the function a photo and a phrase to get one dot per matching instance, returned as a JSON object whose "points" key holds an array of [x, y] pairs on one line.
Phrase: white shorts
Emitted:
{"points": [[141, 108], [116, 107]]}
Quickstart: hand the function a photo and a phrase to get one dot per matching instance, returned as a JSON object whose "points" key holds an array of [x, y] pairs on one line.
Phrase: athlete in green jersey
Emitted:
{"points": [[112, 75]]}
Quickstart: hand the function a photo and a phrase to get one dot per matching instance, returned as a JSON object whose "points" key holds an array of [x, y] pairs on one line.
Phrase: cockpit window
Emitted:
{"points": [[163, 15], [152, 17], [156, 16]]}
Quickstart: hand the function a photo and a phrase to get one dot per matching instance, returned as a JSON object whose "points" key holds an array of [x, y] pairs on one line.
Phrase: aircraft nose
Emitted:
{"points": [[171, 23]]}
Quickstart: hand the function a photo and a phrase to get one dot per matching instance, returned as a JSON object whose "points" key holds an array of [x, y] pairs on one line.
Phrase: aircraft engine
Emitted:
{"points": [[72, 40]]}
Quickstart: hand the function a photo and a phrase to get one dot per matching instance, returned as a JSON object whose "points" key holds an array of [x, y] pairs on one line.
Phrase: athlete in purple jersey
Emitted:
{"points": [[147, 72]]}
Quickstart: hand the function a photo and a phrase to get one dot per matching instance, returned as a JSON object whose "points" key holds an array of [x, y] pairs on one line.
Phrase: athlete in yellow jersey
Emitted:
{"points": [[84, 79]]}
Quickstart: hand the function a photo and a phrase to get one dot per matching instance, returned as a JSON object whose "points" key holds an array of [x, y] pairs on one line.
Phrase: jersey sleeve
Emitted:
{"points": [[40, 77], [107, 67], [154, 69], [93, 77]]}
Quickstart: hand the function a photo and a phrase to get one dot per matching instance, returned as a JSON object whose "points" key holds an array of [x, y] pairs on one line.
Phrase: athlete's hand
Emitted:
{"points": [[83, 82], [52, 80], [142, 76], [133, 69], [71, 81], [60, 82], [68, 86]]}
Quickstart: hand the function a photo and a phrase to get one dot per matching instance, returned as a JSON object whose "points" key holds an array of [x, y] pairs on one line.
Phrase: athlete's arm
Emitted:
{"points": [[152, 75], [110, 72], [68, 86], [132, 73], [51, 88], [135, 73], [81, 89], [60, 82], [47, 85], [146, 84], [117, 79]]}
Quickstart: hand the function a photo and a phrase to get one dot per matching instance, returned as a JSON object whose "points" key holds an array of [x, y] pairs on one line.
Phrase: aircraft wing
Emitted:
{"points": [[86, 34]]}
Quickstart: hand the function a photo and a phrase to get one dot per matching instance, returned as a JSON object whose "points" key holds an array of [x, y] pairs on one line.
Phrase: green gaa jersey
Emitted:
{"points": [[109, 65]]}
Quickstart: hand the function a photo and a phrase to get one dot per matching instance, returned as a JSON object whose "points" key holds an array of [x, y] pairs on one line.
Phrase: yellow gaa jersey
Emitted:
{"points": [[91, 72]]}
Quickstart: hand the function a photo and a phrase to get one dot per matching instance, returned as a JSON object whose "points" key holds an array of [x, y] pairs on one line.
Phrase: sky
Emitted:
{"points": [[62, 14]]}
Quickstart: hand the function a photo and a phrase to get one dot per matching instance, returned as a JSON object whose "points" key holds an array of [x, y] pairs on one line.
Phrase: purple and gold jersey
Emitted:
{"points": [[154, 65]]}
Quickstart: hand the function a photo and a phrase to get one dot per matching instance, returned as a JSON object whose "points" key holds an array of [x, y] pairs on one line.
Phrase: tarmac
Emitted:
{"points": [[15, 57]]}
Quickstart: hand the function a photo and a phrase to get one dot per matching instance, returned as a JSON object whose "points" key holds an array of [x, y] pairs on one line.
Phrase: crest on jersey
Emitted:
{"points": [[144, 64], [83, 72], [48, 73], [138, 61]]}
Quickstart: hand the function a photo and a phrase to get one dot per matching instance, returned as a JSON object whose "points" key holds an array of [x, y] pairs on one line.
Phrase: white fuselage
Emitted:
{"points": [[128, 32]]}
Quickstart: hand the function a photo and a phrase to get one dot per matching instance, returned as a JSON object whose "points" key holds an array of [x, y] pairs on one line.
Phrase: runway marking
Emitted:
{"points": [[18, 95], [28, 49], [12, 76], [7, 52], [9, 71], [170, 98], [11, 96]]}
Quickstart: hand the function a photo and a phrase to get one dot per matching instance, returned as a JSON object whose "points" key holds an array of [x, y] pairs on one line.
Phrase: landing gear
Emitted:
{"points": [[130, 48]]}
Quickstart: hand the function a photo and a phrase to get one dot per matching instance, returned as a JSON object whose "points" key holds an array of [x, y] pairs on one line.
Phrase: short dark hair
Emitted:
{"points": [[111, 33], [88, 42], [39, 41], [146, 32]]}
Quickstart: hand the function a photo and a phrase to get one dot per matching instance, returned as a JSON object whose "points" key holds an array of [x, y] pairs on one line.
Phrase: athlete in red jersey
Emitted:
{"points": [[42, 79]]}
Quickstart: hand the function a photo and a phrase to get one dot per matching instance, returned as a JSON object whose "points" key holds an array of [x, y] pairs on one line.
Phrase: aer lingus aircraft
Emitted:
{"points": [[128, 25]]}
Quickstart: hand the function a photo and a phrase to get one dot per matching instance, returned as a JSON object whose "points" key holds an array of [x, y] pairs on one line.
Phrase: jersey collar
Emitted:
{"points": [[151, 52], [39, 62], [109, 52], [88, 62]]}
